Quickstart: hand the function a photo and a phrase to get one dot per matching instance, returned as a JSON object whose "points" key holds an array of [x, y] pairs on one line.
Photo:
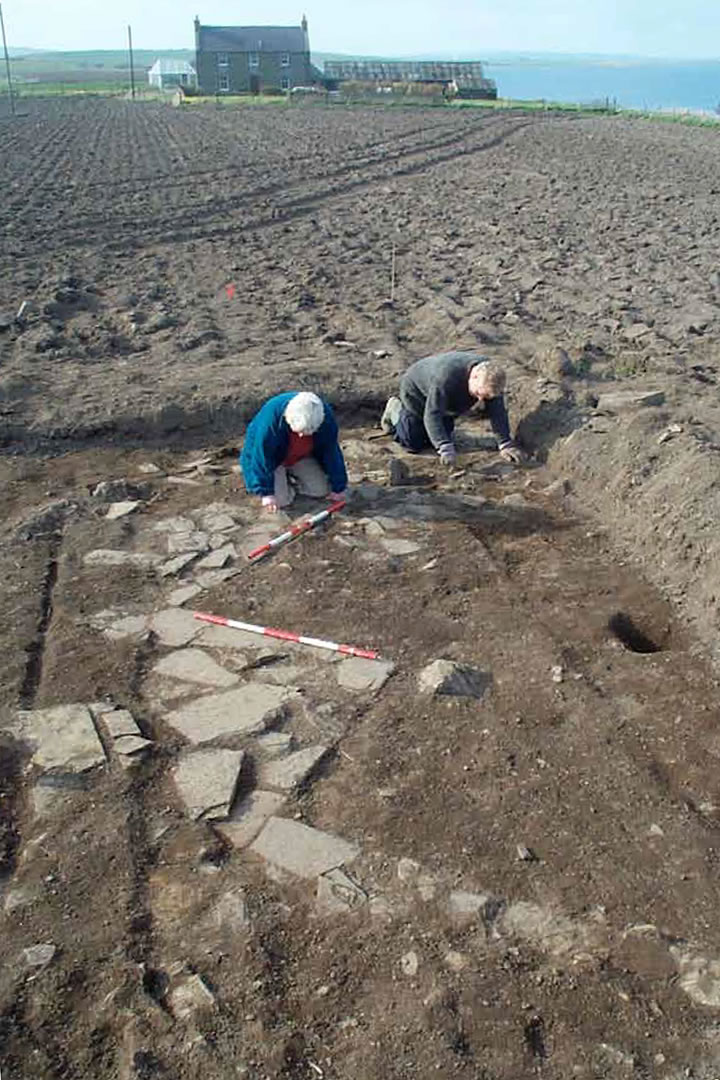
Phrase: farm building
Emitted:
{"points": [[252, 59], [167, 74], [467, 76]]}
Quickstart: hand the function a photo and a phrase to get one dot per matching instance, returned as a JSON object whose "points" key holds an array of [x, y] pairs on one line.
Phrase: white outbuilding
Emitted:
{"points": [[168, 74]]}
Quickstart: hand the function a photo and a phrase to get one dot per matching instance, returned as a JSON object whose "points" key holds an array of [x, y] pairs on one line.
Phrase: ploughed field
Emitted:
{"points": [[223, 856]]}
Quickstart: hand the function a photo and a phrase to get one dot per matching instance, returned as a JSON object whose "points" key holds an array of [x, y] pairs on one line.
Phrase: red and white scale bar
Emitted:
{"points": [[296, 530], [287, 635]]}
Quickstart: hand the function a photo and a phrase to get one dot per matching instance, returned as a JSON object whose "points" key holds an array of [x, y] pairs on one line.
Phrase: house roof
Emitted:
{"points": [[252, 39], [172, 67]]}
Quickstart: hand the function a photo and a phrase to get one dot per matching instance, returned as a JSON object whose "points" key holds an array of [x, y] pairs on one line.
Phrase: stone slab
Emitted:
{"points": [[206, 781], [194, 665], [180, 543], [128, 745], [62, 738], [290, 771], [108, 557], [175, 525], [183, 595], [208, 579], [218, 558], [128, 626], [120, 722], [274, 745], [118, 510], [230, 912], [249, 816], [174, 627], [188, 996], [244, 710], [218, 523], [359, 674], [301, 850], [466, 905], [629, 399], [177, 564], [224, 637]]}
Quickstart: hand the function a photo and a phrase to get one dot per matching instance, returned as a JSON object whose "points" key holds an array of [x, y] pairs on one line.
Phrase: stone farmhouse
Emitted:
{"points": [[252, 59]]}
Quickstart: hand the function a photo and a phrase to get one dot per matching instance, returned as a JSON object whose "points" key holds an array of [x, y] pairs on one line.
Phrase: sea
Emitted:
{"points": [[630, 83]]}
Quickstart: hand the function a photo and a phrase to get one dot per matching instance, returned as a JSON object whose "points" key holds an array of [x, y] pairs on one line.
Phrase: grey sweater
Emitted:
{"points": [[436, 387]]}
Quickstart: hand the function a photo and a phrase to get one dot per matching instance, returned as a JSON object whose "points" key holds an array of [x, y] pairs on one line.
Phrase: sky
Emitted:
{"points": [[464, 28]]}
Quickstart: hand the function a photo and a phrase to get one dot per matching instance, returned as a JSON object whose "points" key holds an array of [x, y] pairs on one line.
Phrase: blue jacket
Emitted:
{"points": [[266, 445]]}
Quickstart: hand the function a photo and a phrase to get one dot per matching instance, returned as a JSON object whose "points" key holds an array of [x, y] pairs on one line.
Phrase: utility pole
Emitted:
{"points": [[132, 64], [7, 64]]}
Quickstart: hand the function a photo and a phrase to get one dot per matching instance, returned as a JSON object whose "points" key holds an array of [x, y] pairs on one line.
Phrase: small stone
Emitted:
{"points": [[120, 510], [396, 546], [525, 854], [430, 565], [181, 596], [408, 870], [515, 499], [374, 530], [230, 912], [150, 469], [174, 627], [409, 964], [206, 781], [39, 956], [189, 996], [558, 487], [274, 744], [244, 710], [218, 558], [360, 674], [399, 473], [557, 673], [302, 850], [290, 771], [455, 961], [466, 905], [337, 893], [182, 481], [655, 830], [249, 816], [209, 579], [448, 677], [194, 665]]}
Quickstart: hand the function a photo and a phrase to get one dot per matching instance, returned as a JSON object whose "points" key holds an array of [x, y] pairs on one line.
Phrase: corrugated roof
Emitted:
{"points": [[172, 67], [252, 39]]}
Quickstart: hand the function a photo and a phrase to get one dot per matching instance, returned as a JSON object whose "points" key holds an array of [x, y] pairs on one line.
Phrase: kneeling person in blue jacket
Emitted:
{"points": [[291, 446]]}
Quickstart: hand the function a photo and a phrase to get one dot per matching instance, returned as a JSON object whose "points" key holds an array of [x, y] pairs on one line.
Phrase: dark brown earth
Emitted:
{"points": [[518, 235]]}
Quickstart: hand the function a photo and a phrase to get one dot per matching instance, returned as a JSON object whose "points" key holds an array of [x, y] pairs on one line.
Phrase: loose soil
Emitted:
{"points": [[584, 584]]}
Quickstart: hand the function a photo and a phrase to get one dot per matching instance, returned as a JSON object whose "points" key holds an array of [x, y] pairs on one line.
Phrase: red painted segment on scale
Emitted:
{"points": [[296, 530], [287, 635], [230, 290]]}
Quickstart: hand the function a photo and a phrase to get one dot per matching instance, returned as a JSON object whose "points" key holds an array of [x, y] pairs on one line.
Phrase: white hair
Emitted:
{"points": [[305, 413], [488, 374]]}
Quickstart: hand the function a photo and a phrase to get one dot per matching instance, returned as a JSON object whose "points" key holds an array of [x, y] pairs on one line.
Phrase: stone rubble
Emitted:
{"points": [[119, 510], [338, 894]]}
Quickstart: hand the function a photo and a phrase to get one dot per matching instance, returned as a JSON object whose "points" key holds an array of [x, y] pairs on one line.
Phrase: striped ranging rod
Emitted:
{"points": [[296, 530], [287, 635]]}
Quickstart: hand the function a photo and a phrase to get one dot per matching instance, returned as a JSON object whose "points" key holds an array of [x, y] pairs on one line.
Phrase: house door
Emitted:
{"points": [[254, 84]]}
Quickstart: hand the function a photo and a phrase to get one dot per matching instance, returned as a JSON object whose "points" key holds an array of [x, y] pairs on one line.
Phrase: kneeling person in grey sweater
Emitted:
{"points": [[436, 390]]}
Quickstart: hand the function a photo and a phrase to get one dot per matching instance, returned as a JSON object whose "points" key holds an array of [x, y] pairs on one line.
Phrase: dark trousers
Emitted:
{"points": [[411, 434]]}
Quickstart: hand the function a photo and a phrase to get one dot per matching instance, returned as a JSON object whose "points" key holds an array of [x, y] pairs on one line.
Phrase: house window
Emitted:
{"points": [[254, 59], [285, 59], [222, 60], [223, 82], [285, 83]]}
